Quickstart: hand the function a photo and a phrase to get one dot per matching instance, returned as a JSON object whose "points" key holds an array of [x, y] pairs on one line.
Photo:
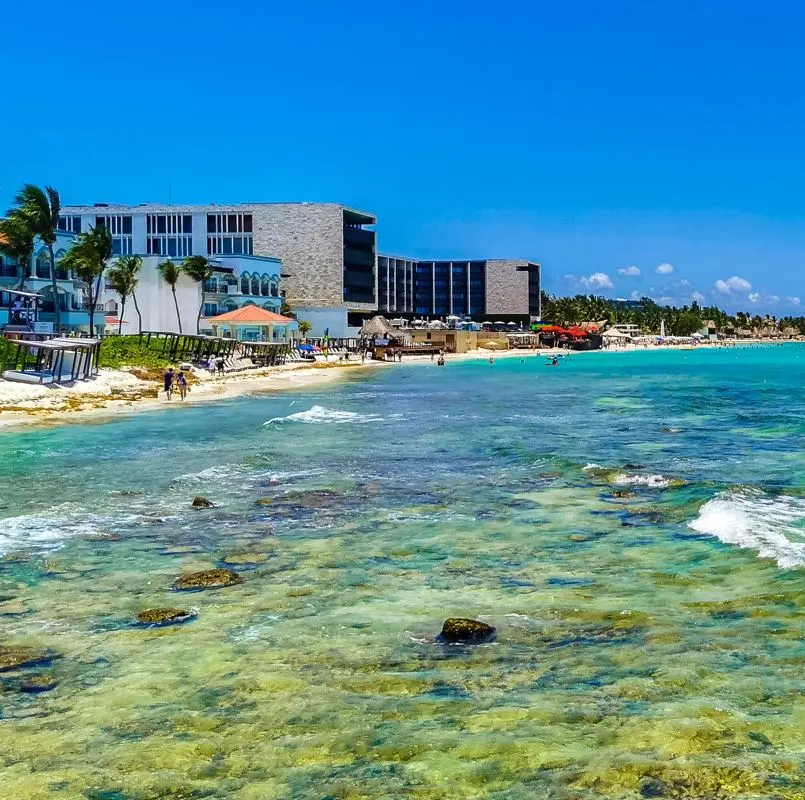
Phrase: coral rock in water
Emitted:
{"points": [[164, 616], [207, 579], [38, 683], [202, 502], [466, 631], [14, 657]]}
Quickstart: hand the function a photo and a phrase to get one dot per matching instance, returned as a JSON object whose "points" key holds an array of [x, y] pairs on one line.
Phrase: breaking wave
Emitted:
{"points": [[319, 415], [751, 519], [651, 481], [40, 532]]}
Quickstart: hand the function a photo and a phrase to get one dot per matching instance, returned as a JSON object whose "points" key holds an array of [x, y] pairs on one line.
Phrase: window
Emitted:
{"points": [[210, 309], [71, 223], [245, 284], [255, 285], [170, 234], [229, 234]]}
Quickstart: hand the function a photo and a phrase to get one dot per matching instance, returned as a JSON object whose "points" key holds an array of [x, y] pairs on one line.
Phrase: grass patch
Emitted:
{"points": [[129, 351]]}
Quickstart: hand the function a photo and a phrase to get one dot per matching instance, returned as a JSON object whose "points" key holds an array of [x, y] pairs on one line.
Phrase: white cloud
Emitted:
{"points": [[630, 272], [698, 297], [754, 297], [795, 301], [664, 269], [635, 296], [598, 280], [772, 298], [733, 285]]}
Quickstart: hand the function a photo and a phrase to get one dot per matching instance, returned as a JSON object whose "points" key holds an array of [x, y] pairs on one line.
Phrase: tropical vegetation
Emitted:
{"points": [[170, 273], [124, 282], [198, 269], [647, 315], [304, 327], [130, 265], [17, 242], [37, 211], [87, 258]]}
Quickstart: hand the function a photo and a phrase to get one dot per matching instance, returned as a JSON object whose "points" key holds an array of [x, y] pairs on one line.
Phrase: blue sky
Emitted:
{"points": [[596, 138]]}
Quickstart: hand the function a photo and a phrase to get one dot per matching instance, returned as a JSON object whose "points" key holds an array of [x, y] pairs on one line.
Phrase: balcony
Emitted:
{"points": [[360, 258], [359, 237]]}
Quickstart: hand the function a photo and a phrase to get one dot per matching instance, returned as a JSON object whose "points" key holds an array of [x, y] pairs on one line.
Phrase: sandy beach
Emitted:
{"points": [[115, 392]]}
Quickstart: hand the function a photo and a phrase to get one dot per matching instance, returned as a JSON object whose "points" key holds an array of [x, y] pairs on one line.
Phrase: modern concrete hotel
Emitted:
{"points": [[323, 252], [479, 289]]}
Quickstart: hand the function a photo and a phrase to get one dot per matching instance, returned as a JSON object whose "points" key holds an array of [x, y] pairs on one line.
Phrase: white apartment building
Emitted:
{"points": [[158, 233], [323, 254]]}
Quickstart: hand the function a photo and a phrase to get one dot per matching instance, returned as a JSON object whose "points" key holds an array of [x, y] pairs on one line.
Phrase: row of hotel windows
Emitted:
{"points": [[162, 223], [265, 285]]}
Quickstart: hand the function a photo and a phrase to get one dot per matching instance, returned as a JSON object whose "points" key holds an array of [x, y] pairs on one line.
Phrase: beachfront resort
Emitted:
{"points": [[233, 289]]}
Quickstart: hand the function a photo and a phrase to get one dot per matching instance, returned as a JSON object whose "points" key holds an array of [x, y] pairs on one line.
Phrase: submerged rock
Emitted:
{"points": [[38, 683], [102, 537], [466, 631], [17, 657], [207, 579], [244, 559], [11, 608], [653, 787], [164, 616], [202, 502]]}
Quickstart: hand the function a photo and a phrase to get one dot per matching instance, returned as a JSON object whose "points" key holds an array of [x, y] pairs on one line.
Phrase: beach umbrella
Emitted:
{"points": [[306, 348]]}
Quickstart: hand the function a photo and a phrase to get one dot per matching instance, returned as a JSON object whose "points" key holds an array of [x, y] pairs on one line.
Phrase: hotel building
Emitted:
{"points": [[323, 254], [480, 289]]}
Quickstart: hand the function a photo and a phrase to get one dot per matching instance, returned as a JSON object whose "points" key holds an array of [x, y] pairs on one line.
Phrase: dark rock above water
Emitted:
{"points": [[202, 502], [16, 657], [164, 616], [466, 631], [207, 579]]}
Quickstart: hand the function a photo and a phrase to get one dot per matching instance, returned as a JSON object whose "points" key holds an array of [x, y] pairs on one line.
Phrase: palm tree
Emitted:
{"points": [[304, 328], [132, 265], [198, 269], [17, 242], [123, 281], [39, 209], [170, 273], [88, 257]]}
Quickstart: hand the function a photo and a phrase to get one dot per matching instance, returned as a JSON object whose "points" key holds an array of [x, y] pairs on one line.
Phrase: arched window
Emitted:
{"points": [[245, 284], [43, 263], [275, 285], [61, 273], [255, 285], [265, 289]]}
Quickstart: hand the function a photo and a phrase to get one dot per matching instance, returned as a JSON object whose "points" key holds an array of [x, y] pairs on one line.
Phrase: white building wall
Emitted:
{"points": [[155, 299]]}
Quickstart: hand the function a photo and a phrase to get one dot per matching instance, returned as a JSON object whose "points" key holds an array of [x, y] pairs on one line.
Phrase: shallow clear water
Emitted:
{"points": [[648, 609]]}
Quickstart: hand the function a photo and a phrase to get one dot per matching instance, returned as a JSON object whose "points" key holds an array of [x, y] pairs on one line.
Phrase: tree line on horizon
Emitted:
{"points": [[647, 315]]}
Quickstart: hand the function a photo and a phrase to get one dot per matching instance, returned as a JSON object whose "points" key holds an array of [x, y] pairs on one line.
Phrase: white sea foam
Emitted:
{"points": [[651, 481], [319, 415], [46, 532], [751, 519], [590, 467]]}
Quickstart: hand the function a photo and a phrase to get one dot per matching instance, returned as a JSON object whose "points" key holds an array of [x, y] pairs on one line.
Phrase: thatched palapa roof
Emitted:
{"points": [[380, 328]]}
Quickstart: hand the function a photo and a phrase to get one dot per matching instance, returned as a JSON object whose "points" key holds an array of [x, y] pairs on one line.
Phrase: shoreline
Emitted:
{"points": [[116, 392]]}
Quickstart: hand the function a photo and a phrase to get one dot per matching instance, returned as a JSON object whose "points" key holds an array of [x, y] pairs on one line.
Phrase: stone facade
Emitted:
{"points": [[506, 287]]}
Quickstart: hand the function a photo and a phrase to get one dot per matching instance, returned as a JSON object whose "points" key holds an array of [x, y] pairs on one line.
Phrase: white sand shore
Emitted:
{"points": [[116, 392]]}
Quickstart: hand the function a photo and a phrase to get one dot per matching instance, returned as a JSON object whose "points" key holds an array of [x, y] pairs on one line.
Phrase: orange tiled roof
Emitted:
{"points": [[252, 315]]}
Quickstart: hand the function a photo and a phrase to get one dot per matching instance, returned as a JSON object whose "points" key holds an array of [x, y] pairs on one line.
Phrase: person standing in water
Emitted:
{"points": [[168, 382]]}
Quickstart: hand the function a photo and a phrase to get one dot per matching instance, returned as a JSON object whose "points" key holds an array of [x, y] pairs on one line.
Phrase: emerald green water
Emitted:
{"points": [[631, 524]]}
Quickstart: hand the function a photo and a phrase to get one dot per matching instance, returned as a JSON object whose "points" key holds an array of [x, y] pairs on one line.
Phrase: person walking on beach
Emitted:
{"points": [[168, 381], [181, 382], [220, 362]]}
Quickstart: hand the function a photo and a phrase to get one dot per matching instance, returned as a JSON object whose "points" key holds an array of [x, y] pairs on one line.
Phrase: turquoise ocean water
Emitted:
{"points": [[633, 525]]}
